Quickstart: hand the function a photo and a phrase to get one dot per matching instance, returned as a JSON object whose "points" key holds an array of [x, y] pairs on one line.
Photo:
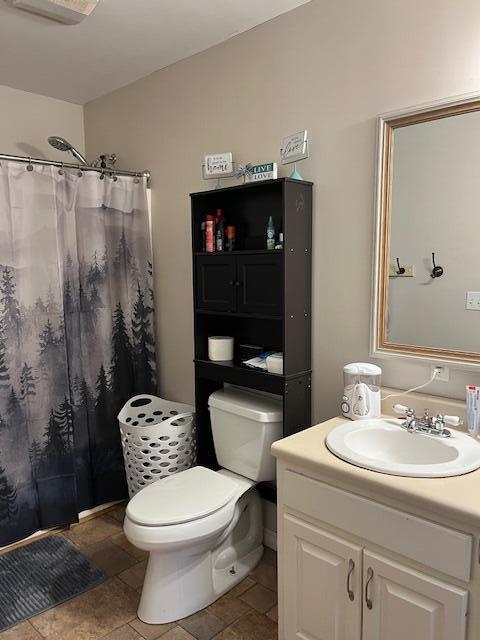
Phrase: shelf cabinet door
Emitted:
{"points": [[260, 287], [321, 584], [215, 282], [406, 604]]}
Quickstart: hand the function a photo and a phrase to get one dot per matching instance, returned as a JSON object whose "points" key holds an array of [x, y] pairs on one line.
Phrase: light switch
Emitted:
{"points": [[472, 300]]}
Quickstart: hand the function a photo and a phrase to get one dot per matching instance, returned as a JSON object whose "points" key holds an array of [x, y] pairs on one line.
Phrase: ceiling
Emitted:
{"points": [[123, 40]]}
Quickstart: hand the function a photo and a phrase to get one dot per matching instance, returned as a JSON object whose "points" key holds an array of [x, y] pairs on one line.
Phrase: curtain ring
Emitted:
{"points": [[29, 165], [136, 180], [102, 175], [113, 175], [61, 171], [79, 171]]}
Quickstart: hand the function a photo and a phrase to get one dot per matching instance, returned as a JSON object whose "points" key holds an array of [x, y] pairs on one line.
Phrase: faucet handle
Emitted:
{"points": [[401, 408], [454, 421]]}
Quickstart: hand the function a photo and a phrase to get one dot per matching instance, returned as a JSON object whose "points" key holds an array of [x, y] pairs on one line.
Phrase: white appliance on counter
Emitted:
{"points": [[361, 394]]}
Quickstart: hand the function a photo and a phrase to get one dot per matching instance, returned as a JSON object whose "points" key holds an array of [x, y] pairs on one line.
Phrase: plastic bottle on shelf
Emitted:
{"points": [[210, 233], [230, 243], [270, 234], [219, 231]]}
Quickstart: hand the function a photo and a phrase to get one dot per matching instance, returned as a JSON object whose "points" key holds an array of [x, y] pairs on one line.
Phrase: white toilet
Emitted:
{"points": [[203, 528]]}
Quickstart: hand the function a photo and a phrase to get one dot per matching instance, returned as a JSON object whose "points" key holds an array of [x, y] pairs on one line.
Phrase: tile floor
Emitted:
{"points": [[247, 612]]}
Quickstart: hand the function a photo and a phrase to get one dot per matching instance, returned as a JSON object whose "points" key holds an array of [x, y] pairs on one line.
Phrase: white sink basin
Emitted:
{"points": [[382, 445]]}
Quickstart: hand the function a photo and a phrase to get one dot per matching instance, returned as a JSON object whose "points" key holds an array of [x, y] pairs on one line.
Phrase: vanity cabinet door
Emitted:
{"points": [[321, 584], [402, 604]]}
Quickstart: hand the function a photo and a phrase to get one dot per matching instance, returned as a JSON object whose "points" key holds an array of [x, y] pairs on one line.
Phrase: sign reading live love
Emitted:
{"points": [[266, 171]]}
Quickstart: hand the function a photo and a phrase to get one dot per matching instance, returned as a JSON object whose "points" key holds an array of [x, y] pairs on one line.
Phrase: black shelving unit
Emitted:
{"points": [[257, 296]]}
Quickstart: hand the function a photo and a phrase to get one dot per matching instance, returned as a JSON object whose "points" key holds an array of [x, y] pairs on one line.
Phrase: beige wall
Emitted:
{"points": [[330, 67], [27, 120]]}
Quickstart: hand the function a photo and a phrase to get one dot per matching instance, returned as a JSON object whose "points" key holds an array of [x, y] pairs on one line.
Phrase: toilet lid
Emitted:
{"points": [[188, 495]]}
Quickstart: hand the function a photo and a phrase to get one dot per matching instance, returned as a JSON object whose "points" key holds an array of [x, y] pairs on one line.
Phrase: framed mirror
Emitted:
{"points": [[426, 281]]}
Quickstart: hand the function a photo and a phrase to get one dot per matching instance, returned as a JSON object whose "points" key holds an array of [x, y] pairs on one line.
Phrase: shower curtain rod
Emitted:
{"points": [[76, 165]]}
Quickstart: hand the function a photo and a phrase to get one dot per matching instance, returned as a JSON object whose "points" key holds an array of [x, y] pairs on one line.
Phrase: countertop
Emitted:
{"points": [[454, 500]]}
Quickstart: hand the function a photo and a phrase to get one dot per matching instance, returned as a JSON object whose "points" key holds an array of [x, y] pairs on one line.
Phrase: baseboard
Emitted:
{"points": [[83, 516], [270, 539]]}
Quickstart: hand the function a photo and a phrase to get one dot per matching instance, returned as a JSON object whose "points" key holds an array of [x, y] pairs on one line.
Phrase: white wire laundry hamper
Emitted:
{"points": [[158, 439]]}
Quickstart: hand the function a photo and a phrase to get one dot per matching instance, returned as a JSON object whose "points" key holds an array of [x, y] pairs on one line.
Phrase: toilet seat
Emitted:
{"points": [[185, 497]]}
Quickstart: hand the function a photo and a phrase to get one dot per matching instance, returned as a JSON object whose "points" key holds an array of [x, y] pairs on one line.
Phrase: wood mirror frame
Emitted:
{"points": [[380, 346]]}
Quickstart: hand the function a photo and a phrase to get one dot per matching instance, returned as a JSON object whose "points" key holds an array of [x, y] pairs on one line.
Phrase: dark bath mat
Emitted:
{"points": [[41, 575]]}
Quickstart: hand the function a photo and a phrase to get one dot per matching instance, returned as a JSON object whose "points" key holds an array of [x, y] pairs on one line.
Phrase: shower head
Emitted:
{"points": [[59, 143], [63, 145]]}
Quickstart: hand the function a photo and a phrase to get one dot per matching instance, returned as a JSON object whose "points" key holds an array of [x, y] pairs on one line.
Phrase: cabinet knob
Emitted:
{"points": [[231, 282], [238, 283]]}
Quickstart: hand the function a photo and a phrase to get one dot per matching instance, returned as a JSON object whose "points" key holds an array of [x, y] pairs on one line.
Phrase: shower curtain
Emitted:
{"points": [[76, 338]]}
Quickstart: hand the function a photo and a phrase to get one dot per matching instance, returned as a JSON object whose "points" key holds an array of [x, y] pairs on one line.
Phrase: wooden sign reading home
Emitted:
{"points": [[218, 164]]}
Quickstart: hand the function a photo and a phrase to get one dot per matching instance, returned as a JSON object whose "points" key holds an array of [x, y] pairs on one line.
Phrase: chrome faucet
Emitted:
{"points": [[427, 423], [410, 423]]}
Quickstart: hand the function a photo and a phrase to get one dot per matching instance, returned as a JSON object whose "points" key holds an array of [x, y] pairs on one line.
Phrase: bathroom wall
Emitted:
{"points": [[330, 67], [27, 119]]}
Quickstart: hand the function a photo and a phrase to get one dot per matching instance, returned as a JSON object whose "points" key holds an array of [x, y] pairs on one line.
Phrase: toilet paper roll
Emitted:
{"points": [[220, 348]]}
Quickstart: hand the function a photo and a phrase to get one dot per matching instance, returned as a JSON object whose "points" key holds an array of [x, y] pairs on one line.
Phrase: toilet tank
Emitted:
{"points": [[244, 426]]}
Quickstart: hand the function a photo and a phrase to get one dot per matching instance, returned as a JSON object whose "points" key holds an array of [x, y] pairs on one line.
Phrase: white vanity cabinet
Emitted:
{"points": [[338, 588], [322, 580], [403, 604]]}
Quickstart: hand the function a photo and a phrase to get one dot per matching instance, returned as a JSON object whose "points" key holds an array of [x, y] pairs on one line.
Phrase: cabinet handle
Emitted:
{"points": [[367, 585], [351, 568]]}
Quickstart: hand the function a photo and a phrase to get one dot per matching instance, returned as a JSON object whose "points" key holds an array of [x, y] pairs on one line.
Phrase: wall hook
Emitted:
{"points": [[437, 271], [400, 270]]}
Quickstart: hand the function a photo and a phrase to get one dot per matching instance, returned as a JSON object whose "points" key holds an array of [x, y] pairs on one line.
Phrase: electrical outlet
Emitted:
{"points": [[444, 373], [472, 300], [409, 271]]}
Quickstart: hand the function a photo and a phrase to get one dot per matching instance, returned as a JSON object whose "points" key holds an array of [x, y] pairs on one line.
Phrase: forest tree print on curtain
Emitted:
{"points": [[76, 339]]}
